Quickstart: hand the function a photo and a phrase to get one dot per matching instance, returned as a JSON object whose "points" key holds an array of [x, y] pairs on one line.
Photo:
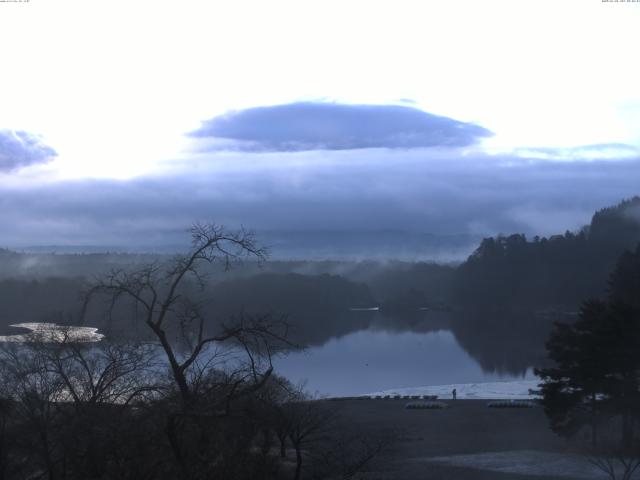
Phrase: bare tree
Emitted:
{"points": [[213, 365], [198, 401], [160, 292], [325, 445], [70, 400], [615, 465], [36, 396], [308, 421], [618, 460], [111, 372], [347, 455]]}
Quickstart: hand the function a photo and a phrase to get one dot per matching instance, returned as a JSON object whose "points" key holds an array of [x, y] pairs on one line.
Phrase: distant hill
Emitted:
{"points": [[380, 245], [561, 270]]}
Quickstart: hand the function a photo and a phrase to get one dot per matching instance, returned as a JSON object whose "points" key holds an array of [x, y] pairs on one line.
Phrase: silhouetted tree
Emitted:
{"points": [[596, 377], [307, 421], [195, 399], [624, 282], [209, 427], [157, 290], [573, 388]]}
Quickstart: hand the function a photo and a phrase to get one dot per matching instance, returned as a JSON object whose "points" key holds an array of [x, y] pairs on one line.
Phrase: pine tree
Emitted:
{"points": [[596, 373], [573, 388]]}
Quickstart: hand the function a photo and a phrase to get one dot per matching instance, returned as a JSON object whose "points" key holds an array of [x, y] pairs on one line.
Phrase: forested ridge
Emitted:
{"points": [[506, 272], [561, 270]]}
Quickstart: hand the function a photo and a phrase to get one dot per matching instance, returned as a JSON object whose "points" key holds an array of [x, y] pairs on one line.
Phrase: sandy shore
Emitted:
{"points": [[466, 441]]}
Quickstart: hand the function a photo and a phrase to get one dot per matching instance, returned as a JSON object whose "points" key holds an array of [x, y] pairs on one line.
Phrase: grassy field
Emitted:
{"points": [[465, 441]]}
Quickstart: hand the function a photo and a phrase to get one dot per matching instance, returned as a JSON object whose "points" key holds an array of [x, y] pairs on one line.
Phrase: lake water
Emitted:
{"points": [[380, 353], [373, 360]]}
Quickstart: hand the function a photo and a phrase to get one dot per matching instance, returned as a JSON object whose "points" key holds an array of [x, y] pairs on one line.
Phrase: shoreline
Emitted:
{"points": [[508, 390]]}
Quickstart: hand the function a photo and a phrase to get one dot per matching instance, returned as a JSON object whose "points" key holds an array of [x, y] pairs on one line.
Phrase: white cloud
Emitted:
{"points": [[115, 105]]}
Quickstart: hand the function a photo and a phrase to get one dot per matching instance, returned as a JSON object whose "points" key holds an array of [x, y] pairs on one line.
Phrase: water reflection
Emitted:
{"points": [[371, 360], [364, 351], [504, 342], [355, 352]]}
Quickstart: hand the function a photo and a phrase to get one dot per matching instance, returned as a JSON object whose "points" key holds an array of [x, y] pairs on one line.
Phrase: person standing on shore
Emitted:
{"points": [[454, 393]]}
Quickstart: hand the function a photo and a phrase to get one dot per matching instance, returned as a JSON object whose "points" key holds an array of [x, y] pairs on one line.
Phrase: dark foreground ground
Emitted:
{"points": [[465, 441]]}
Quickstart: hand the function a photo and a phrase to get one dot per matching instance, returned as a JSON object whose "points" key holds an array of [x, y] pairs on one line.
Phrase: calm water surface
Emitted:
{"points": [[352, 357], [372, 360]]}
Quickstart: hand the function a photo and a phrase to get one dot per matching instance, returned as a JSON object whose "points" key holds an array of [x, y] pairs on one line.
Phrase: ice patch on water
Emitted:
{"points": [[52, 332]]}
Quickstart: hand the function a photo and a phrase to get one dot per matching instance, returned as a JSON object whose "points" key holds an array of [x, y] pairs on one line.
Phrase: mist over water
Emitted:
{"points": [[367, 326]]}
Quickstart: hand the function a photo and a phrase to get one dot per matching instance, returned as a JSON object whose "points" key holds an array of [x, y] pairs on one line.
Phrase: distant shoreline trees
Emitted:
{"points": [[562, 270]]}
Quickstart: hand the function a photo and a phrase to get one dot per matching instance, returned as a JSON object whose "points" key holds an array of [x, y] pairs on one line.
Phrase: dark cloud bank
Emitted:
{"points": [[331, 126], [336, 170], [385, 191], [20, 149]]}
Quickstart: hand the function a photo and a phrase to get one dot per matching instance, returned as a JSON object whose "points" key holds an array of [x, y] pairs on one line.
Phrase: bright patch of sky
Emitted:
{"points": [[114, 87]]}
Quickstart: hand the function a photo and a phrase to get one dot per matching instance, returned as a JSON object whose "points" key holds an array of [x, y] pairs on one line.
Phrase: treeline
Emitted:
{"points": [[317, 307], [37, 300], [558, 271], [42, 265], [292, 292], [509, 274], [316, 297]]}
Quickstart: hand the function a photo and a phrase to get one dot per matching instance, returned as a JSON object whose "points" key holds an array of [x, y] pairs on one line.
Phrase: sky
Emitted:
{"points": [[124, 122]]}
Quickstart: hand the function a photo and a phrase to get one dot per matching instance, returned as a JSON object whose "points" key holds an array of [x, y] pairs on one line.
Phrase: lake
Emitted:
{"points": [[357, 353], [372, 360]]}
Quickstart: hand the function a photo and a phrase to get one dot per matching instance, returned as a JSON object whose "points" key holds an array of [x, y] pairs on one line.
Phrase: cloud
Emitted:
{"points": [[331, 126], [601, 151], [341, 191], [20, 149]]}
